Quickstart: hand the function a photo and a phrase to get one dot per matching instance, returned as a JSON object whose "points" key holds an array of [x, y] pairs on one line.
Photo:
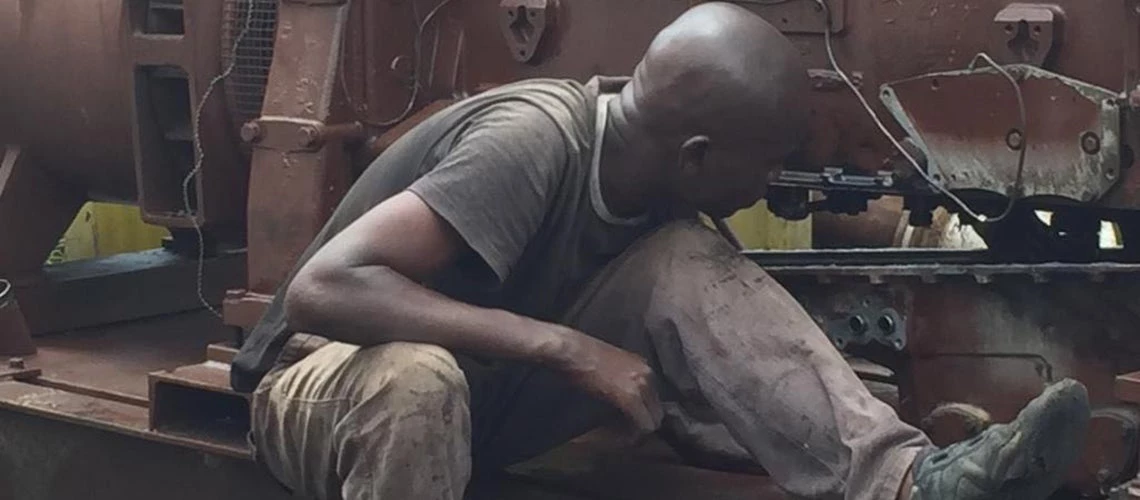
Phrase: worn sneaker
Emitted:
{"points": [[1026, 459]]}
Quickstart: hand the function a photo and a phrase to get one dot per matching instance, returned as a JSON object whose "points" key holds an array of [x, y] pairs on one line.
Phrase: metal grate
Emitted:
{"points": [[245, 88]]}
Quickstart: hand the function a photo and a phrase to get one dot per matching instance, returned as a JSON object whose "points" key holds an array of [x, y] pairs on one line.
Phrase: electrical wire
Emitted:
{"points": [[200, 154], [918, 168], [5, 289], [417, 68], [1018, 184]]}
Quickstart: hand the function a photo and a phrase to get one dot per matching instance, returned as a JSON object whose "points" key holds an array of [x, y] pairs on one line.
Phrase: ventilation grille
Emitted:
{"points": [[245, 88]]}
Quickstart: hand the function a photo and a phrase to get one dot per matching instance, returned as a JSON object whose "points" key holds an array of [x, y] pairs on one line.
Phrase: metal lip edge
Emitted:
{"points": [[924, 261]]}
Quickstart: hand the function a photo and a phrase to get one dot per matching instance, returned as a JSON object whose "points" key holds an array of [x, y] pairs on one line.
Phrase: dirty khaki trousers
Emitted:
{"points": [[738, 361]]}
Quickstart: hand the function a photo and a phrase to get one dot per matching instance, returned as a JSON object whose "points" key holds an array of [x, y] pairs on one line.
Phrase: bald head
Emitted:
{"points": [[714, 108], [722, 71]]}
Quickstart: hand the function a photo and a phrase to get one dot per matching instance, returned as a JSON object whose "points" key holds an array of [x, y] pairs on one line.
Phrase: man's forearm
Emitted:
{"points": [[375, 304]]}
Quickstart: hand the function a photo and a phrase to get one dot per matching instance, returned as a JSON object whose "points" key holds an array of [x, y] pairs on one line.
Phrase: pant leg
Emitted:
{"points": [[385, 422], [726, 339]]}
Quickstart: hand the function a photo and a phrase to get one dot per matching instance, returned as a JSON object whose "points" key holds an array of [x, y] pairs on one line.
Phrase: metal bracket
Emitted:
{"points": [[296, 134], [523, 24], [869, 321], [1027, 33]]}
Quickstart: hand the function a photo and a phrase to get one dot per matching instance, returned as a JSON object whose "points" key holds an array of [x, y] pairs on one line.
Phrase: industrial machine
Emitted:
{"points": [[239, 124]]}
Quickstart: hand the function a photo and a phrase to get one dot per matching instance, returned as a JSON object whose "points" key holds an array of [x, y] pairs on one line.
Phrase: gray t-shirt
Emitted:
{"points": [[514, 171]]}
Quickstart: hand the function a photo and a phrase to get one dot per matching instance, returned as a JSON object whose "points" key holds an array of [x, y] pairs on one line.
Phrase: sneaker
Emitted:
{"points": [[1026, 459]]}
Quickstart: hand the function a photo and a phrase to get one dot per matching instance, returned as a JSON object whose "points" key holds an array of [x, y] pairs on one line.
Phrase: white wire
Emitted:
{"points": [[883, 128], [200, 154], [5, 289]]}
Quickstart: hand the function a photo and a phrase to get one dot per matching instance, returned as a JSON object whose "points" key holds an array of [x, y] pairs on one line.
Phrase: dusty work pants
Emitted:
{"points": [[738, 359]]}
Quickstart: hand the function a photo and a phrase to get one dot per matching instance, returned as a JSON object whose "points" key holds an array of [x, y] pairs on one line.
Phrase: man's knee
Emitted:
{"points": [[409, 375], [686, 237], [682, 253]]}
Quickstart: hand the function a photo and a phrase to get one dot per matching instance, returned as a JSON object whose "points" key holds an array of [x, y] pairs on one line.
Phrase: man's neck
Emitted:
{"points": [[625, 180]]}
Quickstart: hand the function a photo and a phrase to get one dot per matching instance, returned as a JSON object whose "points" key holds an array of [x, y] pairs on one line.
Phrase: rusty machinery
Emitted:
{"points": [[239, 124]]}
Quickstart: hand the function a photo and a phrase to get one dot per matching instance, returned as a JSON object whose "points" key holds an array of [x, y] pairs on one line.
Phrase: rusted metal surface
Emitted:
{"points": [[142, 66], [991, 336], [20, 373], [15, 336], [976, 146], [243, 309], [312, 174], [27, 189], [799, 17], [121, 287], [45, 459], [221, 352], [171, 66], [99, 413], [116, 359], [197, 403], [82, 137]]}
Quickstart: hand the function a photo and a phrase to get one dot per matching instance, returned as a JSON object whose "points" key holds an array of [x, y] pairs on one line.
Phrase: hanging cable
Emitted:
{"points": [[200, 154], [910, 158]]}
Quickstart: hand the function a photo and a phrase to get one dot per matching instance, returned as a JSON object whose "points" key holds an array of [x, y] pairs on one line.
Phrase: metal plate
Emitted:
{"points": [[962, 121]]}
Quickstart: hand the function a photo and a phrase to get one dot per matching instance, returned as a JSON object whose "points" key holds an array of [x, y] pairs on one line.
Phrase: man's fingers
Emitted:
{"points": [[640, 416]]}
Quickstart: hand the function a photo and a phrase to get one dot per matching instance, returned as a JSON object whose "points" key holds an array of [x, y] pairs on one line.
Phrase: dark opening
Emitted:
{"points": [[164, 17], [166, 139]]}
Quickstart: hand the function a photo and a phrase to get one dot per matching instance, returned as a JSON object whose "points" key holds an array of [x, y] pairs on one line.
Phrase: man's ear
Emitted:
{"points": [[691, 158]]}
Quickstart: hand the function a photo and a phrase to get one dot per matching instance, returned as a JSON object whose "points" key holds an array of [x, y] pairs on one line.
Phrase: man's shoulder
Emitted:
{"points": [[542, 107], [561, 99]]}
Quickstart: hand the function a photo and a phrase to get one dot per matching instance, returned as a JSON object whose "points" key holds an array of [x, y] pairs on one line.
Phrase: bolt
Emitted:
{"points": [[307, 137], [251, 132], [1090, 143], [887, 324], [1014, 139], [858, 325], [16, 363]]}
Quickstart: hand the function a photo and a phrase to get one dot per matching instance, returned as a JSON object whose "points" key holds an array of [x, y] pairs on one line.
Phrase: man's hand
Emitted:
{"points": [[614, 375]]}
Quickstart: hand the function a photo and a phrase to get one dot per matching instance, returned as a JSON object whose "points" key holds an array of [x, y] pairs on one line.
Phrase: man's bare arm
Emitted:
{"points": [[363, 287]]}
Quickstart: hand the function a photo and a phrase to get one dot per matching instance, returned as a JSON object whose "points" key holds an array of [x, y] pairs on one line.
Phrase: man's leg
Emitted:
{"points": [[386, 422], [732, 345]]}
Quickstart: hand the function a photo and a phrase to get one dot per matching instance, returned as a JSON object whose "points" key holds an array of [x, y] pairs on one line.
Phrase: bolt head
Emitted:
{"points": [[251, 132], [1014, 139], [307, 137], [1090, 143]]}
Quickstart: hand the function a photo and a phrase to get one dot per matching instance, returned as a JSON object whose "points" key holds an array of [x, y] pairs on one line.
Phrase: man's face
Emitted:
{"points": [[731, 177]]}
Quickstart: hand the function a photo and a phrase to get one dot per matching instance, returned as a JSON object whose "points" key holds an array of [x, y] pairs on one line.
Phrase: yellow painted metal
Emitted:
{"points": [[758, 229], [102, 229]]}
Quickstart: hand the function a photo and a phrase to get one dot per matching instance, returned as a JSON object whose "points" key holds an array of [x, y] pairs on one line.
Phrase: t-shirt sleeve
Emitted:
{"points": [[497, 182]]}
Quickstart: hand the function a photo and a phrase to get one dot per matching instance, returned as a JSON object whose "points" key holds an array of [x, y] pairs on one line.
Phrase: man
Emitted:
{"points": [[525, 266]]}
